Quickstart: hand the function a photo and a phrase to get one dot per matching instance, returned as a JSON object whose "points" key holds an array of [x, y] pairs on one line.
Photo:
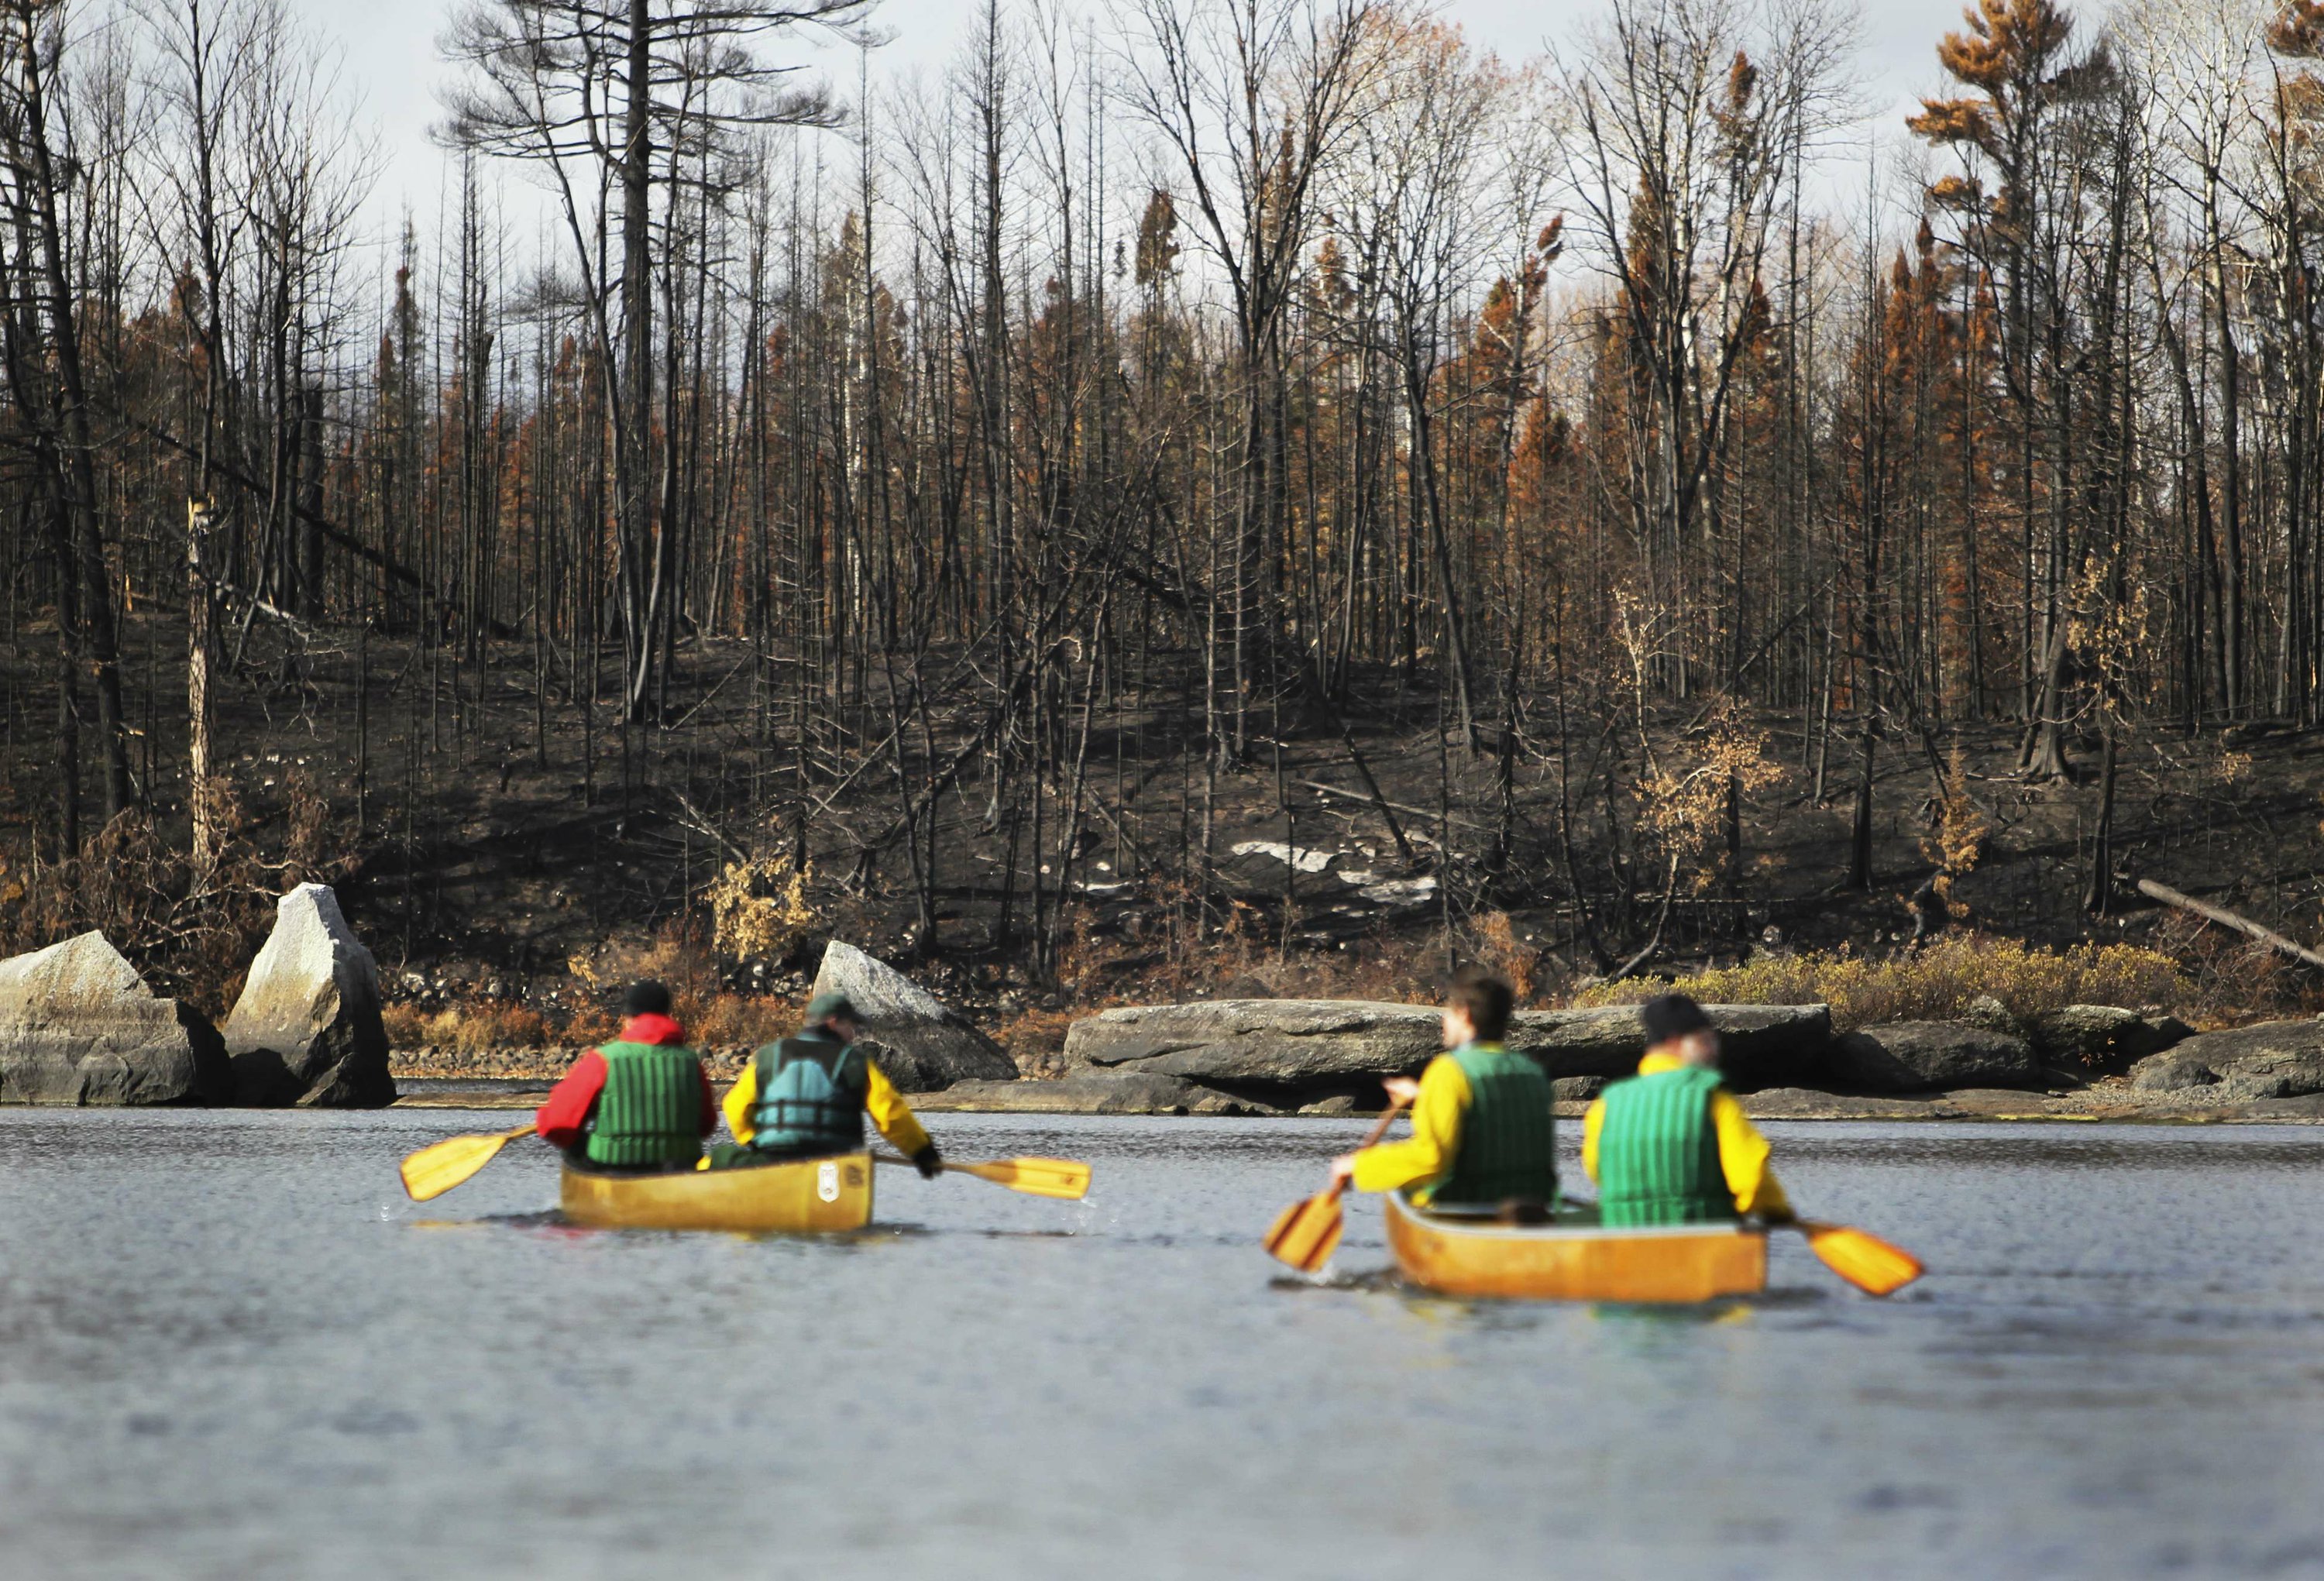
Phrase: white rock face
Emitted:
{"points": [[920, 1042], [307, 1029], [77, 1026]]}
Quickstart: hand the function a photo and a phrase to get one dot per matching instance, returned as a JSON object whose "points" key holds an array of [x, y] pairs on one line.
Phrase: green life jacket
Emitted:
{"points": [[1658, 1152], [811, 1093], [651, 1109], [1508, 1145]]}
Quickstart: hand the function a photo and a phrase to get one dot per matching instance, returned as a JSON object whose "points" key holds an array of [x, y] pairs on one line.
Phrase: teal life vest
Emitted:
{"points": [[649, 1110], [811, 1094], [1658, 1152], [1508, 1143]]}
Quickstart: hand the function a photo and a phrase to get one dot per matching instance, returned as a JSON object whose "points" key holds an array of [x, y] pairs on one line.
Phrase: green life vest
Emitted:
{"points": [[1658, 1152], [1509, 1146], [811, 1093], [650, 1111]]}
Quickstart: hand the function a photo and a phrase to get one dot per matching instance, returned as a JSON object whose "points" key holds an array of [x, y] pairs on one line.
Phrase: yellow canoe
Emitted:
{"points": [[1474, 1255], [814, 1195]]}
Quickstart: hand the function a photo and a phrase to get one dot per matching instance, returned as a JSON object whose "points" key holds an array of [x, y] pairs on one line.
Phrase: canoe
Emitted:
{"points": [[1576, 1260], [811, 1195]]}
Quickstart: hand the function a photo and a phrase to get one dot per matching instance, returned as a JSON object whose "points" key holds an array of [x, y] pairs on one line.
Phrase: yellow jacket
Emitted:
{"points": [[881, 1101], [1742, 1151], [1427, 1157]]}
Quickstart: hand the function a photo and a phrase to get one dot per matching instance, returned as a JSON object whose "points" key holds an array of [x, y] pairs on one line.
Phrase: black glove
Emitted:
{"points": [[927, 1162]]}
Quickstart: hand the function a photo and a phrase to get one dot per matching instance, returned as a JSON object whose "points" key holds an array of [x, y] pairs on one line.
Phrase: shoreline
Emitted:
{"points": [[2095, 1106]]}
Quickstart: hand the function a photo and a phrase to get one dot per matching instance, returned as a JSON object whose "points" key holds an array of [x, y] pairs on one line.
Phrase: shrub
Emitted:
{"points": [[759, 909], [726, 1020], [407, 1024], [1935, 984]]}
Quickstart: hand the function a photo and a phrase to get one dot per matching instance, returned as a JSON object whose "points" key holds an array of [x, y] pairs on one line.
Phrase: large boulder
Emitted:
{"points": [[2277, 1058], [2100, 1038], [923, 1044], [1278, 1042], [77, 1026], [1095, 1091], [1759, 1045], [307, 1030], [1292, 1045], [1932, 1056]]}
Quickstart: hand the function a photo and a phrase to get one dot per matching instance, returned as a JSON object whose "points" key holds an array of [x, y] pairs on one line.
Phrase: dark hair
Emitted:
{"points": [[646, 998], [1485, 999], [1671, 1015]]}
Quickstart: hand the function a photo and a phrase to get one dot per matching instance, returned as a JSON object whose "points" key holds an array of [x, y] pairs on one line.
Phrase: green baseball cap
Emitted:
{"points": [[823, 1006]]}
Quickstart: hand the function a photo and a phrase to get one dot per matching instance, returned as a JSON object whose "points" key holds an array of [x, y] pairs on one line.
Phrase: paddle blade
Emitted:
{"points": [[1307, 1234], [435, 1170], [1865, 1261], [1036, 1177]]}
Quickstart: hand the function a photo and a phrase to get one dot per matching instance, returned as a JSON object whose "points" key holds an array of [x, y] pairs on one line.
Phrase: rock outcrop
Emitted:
{"points": [[1930, 1056], [1760, 1045], [1275, 1043], [2277, 1058], [1279, 1049], [2103, 1037], [307, 1029], [77, 1026], [922, 1044], [1096, 1092]]}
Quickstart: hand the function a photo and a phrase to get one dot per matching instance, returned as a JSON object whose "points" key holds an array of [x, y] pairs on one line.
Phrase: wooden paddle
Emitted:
{"points": [[1061, 1178], [1305, 1234], [435, 1169], [1866, 1261]]}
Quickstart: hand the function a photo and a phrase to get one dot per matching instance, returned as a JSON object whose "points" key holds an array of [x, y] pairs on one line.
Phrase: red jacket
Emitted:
{"points": [[573, 1099]]}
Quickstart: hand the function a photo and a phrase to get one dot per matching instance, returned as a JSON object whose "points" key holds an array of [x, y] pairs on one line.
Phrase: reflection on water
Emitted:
{"points": [[228, 1346]]}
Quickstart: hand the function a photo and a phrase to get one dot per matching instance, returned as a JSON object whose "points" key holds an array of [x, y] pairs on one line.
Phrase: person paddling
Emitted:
{"points": [[1482, 1117], [807, 1095], [1671, 1145], [641, 1104]]}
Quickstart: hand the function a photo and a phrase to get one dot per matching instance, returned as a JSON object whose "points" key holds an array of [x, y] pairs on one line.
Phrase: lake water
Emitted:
{"points": [[228, 1346]]}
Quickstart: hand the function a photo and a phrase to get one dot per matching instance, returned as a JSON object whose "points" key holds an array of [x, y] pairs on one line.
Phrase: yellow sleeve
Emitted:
{"points": [[1593, 1120], [891, 1113], [1743, 1159], [1438, 1114], [740, 1100]]}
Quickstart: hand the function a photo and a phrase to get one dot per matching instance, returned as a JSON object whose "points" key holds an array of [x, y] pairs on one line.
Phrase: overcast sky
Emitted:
{"points": [[391, 59]]}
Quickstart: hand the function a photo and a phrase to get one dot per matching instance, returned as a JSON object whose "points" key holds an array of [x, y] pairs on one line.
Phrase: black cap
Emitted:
{"points": [[646, 998], [1670, 1016]]}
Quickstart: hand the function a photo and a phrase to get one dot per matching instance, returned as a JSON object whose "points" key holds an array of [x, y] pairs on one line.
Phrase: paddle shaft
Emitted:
{"points": [[1379, 1130]]}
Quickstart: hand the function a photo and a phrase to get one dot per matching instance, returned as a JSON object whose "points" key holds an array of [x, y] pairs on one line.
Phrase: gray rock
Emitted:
{"points": [[1801, 1103], [1303, 1044], [1991, 1014], [307, 1030], [1929, 1056], [77, 1026], [2277, 1058], [1095, 1092], [921, 1043], [1285, 1042], [1759, 1045], [2103, 1036]]}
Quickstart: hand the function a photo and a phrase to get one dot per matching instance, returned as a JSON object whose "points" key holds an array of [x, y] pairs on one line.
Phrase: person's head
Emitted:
{"points": [[1675, 1024], [648, 997], [835, 1014], [1477, 1010]]}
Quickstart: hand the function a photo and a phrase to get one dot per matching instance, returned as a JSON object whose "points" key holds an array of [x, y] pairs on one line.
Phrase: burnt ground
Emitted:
{"points": [[484, 836]]}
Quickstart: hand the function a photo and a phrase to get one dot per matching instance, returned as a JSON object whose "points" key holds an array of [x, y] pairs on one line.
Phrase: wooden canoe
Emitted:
{"points": [[814, 1195], [1476, 1255]]}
